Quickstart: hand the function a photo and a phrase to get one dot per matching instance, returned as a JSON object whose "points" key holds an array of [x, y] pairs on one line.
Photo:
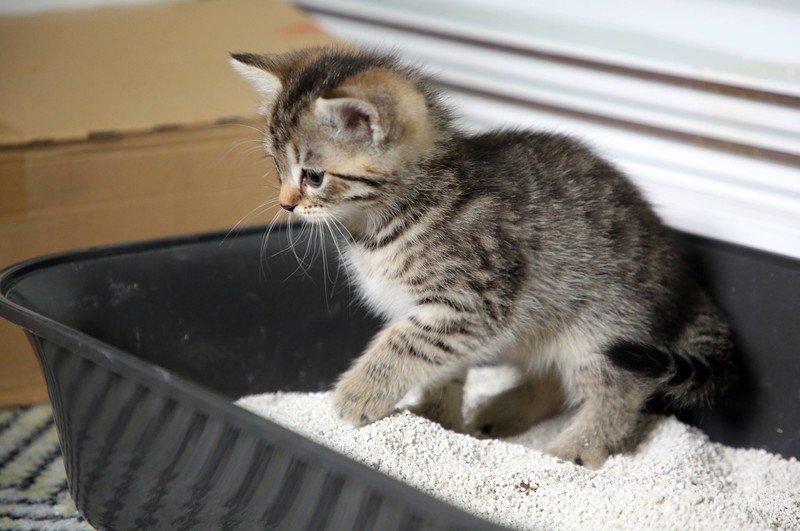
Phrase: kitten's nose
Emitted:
{"points": [[289, 197]]}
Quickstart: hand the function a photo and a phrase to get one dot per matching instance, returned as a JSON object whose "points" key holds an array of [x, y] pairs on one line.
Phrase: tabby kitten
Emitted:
{"points": [[513, 247]]}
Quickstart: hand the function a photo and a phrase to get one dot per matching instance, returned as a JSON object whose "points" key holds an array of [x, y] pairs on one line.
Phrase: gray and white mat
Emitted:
{"points": [[33, 484]]}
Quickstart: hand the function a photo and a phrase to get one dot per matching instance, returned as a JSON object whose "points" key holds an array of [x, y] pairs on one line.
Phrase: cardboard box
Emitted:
{"points": [[124, 124]]}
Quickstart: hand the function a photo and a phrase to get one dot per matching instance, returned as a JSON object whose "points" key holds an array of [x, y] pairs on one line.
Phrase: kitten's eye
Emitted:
{"points": [[312, 178]]}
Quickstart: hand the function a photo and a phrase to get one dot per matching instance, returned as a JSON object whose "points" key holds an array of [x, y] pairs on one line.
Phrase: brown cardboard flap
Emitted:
{"points": [[61, 178], [73, 75]]}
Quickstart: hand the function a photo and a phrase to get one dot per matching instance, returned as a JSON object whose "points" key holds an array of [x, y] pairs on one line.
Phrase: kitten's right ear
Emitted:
{"points": [[254, 68], [352, 117]]}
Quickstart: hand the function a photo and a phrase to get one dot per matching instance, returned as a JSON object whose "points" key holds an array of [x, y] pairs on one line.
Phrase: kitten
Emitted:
{"points": [[512, 247]]}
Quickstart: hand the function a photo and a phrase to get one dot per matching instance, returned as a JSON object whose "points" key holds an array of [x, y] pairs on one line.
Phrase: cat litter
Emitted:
{"points": [[675, 479]]}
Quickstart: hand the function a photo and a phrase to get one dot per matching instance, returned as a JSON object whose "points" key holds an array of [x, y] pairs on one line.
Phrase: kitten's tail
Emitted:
{"points": [[699, 366]]}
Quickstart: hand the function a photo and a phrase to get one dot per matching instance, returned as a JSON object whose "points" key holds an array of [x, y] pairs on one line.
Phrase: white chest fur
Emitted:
{"points": [[374, 274]]}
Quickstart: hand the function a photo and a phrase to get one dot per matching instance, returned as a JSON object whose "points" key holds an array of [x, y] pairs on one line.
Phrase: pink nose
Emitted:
{"points": [[288, 207]]}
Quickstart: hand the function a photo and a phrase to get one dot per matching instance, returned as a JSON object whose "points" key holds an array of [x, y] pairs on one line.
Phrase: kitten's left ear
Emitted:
{"points": [[254, 69], [353, 117]]}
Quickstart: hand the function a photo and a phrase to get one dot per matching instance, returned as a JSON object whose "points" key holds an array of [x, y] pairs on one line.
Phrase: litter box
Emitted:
{"points": [[145, 346]]}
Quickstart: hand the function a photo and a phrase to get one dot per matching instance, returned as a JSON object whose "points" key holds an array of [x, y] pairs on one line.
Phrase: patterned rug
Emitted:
{"points": [[33, 484]]}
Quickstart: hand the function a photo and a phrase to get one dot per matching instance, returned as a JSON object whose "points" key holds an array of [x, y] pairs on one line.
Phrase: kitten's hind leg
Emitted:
{"points": [[515, 410], [443, 403], [609, 413]]}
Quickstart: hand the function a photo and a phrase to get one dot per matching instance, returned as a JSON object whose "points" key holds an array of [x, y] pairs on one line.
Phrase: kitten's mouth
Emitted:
{"points": [[309, 214]]}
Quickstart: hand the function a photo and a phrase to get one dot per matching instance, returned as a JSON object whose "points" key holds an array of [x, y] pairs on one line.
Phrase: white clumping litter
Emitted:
{"points": [[675, 479]]}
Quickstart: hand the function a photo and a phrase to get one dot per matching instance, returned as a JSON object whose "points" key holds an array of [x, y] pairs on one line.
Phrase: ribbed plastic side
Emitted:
{"points": [[137, 459]]}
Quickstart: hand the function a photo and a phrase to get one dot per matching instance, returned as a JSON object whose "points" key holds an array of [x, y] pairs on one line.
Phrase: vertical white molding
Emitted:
{"points": [[716, 160]]}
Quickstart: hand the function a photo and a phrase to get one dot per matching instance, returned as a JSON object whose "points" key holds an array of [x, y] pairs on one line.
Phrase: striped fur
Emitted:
{"points": [[510, 247]]}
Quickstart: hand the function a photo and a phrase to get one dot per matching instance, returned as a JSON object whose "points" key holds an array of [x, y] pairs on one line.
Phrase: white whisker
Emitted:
{"points": [[300, 261], [265, 240], [238, 144], [321, 249], [339, 257], [257, 211], [342, 229], [246, 126]]}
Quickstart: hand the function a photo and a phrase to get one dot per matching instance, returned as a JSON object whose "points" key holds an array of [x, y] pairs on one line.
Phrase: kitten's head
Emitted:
{"points": [[345, 128]]}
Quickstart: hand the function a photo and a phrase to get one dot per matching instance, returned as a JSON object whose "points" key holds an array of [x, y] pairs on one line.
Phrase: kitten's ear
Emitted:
{"points": [[353, 117], [255, 69]]}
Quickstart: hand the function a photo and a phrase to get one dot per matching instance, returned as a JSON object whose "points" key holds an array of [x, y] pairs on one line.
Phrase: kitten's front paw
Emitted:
{"points": [[358, 401]]}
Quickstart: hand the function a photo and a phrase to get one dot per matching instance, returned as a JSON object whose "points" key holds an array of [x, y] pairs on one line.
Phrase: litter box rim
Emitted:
{"points": [[43, 330]]}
